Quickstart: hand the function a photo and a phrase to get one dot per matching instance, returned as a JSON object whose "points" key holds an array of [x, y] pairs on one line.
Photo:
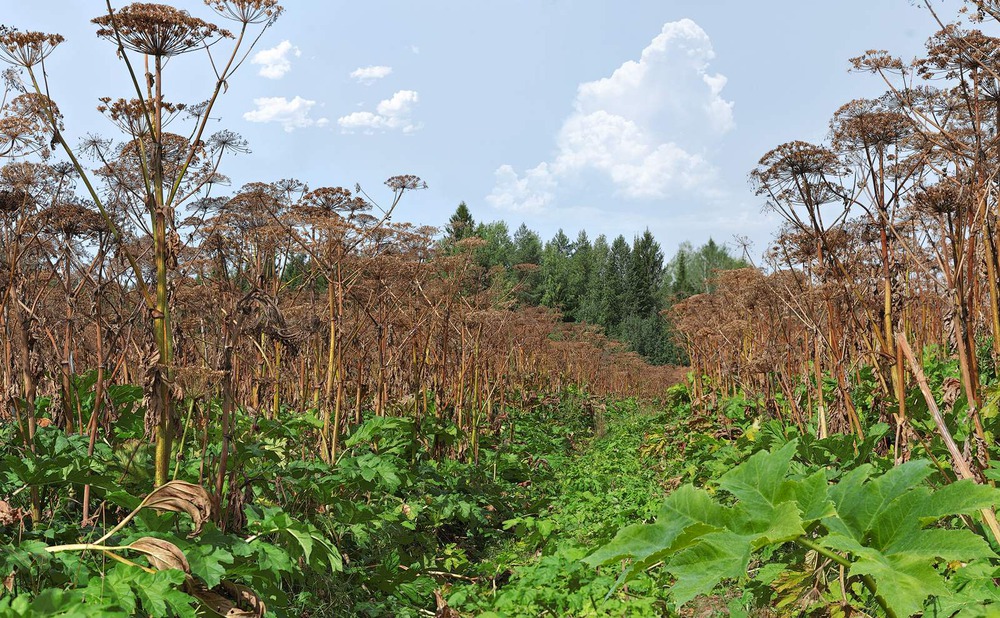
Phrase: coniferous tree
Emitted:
{"points": [[613, 306], [556, 265], [499, 249], [644, 274], [527, 246], [579, 273], [461, 224], [527, 259], [591, 304]]}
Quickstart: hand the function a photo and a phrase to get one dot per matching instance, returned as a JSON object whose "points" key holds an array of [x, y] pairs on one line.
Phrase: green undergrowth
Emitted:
{"points": [[595, 482], [769, 520], [574, 507], [382, 533]]}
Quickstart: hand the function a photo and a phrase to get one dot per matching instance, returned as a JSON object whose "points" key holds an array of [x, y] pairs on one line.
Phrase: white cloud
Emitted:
{"points": [[390, 114], [369, 75], [274, 62], [648, 128], [291, 115], [530, 193]]}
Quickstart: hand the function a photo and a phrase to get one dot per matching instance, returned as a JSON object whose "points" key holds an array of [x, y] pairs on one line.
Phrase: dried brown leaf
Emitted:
{"points": [[162, 554], [180, 496], [229, 600], [8, 514]]}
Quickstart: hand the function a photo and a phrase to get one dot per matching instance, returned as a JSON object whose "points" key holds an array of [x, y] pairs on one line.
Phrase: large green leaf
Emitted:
{"points": [[759, 482], [700, 568], [893, 527]]}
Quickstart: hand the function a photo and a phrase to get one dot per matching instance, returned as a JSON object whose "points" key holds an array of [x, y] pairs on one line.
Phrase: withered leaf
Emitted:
{"points": [[181, 496], [162, 554], [8, 514], [228, 599]]}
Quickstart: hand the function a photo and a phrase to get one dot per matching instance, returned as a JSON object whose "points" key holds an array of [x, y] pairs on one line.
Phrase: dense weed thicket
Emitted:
{"points": [[277, 400], [871, 487], [282, 402]]}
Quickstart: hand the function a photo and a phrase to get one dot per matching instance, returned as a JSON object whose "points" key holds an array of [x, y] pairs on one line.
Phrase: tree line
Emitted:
{"points": [[624, 287]]}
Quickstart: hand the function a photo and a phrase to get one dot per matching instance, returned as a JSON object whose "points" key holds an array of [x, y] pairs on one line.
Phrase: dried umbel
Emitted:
{"points": [[406, 182], [156, 29], [71, 219], [867, 123], [132, 116], [127, 168], [27, 125], [12, 200], [952, 52], [946, 197], [26, 49], [877, 60], [795, 160], [327, 202], [228, 141], [797, 173], [247, 11]]}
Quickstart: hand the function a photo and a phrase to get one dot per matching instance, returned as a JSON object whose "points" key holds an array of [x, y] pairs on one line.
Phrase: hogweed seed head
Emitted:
{"points": [[156, 29], [26, 49], [247, 11]]}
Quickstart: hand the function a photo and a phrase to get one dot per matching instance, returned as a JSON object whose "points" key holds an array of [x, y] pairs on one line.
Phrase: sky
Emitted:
{"points": [[606, 116]]}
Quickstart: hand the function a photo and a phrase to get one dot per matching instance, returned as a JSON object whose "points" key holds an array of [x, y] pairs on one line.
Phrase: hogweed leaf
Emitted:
{"points": [[700, 568], [162, 555], [759, 482], [180, 496]]}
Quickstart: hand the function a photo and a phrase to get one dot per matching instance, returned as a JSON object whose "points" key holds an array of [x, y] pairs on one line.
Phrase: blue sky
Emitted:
{"points": [[598, 115]]}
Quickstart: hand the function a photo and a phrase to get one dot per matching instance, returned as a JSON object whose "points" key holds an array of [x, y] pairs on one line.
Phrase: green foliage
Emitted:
{"points": [[460, 225], [622, 287], [894, 531]]}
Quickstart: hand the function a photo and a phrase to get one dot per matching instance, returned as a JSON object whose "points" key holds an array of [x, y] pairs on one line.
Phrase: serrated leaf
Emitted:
{"points": [[639, 541], [686, 515], [962, 545], [157, 591], [784, 525], [209, 562], [759, 482], [813, 497], [114, 589], [903, 581], [700, 568], [961, 497]]}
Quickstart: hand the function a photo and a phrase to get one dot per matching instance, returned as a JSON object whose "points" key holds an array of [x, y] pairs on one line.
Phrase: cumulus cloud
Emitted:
{"points": [[275, 62], [647, 128], [529, 193], [370, 75], [390, 114], [290, 115]]}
